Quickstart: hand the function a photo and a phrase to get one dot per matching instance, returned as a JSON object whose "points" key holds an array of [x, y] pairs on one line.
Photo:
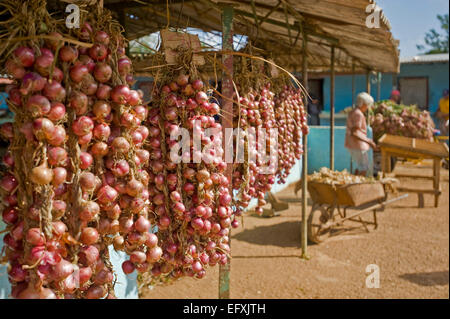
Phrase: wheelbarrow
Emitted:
{"points": [[331, 203]]}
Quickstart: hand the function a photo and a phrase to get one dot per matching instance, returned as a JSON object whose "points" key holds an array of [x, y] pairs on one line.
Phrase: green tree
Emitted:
{"points": [[437, 42]]}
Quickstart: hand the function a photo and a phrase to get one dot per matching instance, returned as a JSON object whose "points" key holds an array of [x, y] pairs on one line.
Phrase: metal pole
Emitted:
{"points": [[304, 232], [227, 121], [332, 87]]}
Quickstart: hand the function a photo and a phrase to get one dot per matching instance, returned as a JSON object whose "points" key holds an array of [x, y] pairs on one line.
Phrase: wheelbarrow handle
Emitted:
{"points": [[395, 200], [378, 206]]}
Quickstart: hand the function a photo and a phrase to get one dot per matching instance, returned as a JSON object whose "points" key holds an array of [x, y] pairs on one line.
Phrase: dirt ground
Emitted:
{"points": [[410, 247]]}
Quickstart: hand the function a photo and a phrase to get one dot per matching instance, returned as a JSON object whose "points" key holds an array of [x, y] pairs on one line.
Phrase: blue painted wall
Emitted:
{"points": [[319, 149], [4, 283], [343, 89], [437, 73], [438, 81], [3, 97]]}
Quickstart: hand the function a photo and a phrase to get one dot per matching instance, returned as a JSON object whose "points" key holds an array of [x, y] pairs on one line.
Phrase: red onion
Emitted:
{"points": [[107, 194], [120, 145], [59, 136], [35, 237], [68, 54], [120, 94], [134, 98], [100, 149], [25, 56], [57, 75], [32, 82], [102, 72], [41, 175], [102, 131], [83, 125], [89, 255], [101, 109], [95, 292], [10, 215], [102, 37], [98, 52], [15, 70], [57, 112], [62, 270], [57, 156], [89, 236], [128, 267], [44, 62], [8, 183], [79, 102], [78, 72], [124, 66]]}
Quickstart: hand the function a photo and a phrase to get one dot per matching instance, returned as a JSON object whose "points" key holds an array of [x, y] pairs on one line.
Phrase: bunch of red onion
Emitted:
{"points": [[36, 245], [292, 123], [256, 176], [79, 126], [190, 199]]}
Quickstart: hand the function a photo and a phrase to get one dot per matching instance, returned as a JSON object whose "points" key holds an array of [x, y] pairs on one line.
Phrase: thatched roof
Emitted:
{"points": [[275, 26]]}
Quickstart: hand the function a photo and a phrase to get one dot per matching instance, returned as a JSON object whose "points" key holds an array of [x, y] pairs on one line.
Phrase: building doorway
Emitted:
{"points": [[414, 91]]}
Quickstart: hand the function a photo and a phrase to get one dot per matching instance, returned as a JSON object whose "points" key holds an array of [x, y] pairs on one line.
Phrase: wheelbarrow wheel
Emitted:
{"points": [[317, 232]]}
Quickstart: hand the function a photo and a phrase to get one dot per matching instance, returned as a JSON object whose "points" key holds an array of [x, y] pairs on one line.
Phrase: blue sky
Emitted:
{"points": [[411, 20]]}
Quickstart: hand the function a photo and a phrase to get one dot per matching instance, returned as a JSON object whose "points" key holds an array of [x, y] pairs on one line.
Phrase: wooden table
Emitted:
{"points": [[411, 148]]}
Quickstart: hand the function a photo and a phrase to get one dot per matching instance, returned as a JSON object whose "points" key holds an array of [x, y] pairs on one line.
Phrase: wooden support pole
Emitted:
{"points": [[304, 232], [368, 87], [368, 90], [122, 21], [436, 180], [353, 85], [332, 107], [227, 121], [353, 102], [379, 79]]}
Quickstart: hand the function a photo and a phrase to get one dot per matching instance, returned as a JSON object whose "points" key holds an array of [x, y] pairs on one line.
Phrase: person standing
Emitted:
{"points": [[396, 97], [356, 140], [314, 110], [442, 113]]}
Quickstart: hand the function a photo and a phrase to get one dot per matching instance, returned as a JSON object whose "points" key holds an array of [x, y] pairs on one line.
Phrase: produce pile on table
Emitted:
{"points": [[390, 118]]}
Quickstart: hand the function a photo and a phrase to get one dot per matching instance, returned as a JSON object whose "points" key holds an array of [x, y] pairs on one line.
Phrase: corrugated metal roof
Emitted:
{"points": [[429, 58]]}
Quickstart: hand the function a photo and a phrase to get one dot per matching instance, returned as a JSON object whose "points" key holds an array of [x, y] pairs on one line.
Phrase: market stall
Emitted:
{"points": [[97, 184]]}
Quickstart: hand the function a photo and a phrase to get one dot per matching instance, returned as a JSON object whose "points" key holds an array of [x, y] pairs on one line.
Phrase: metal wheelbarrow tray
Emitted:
{"points": [[330, 204]]}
